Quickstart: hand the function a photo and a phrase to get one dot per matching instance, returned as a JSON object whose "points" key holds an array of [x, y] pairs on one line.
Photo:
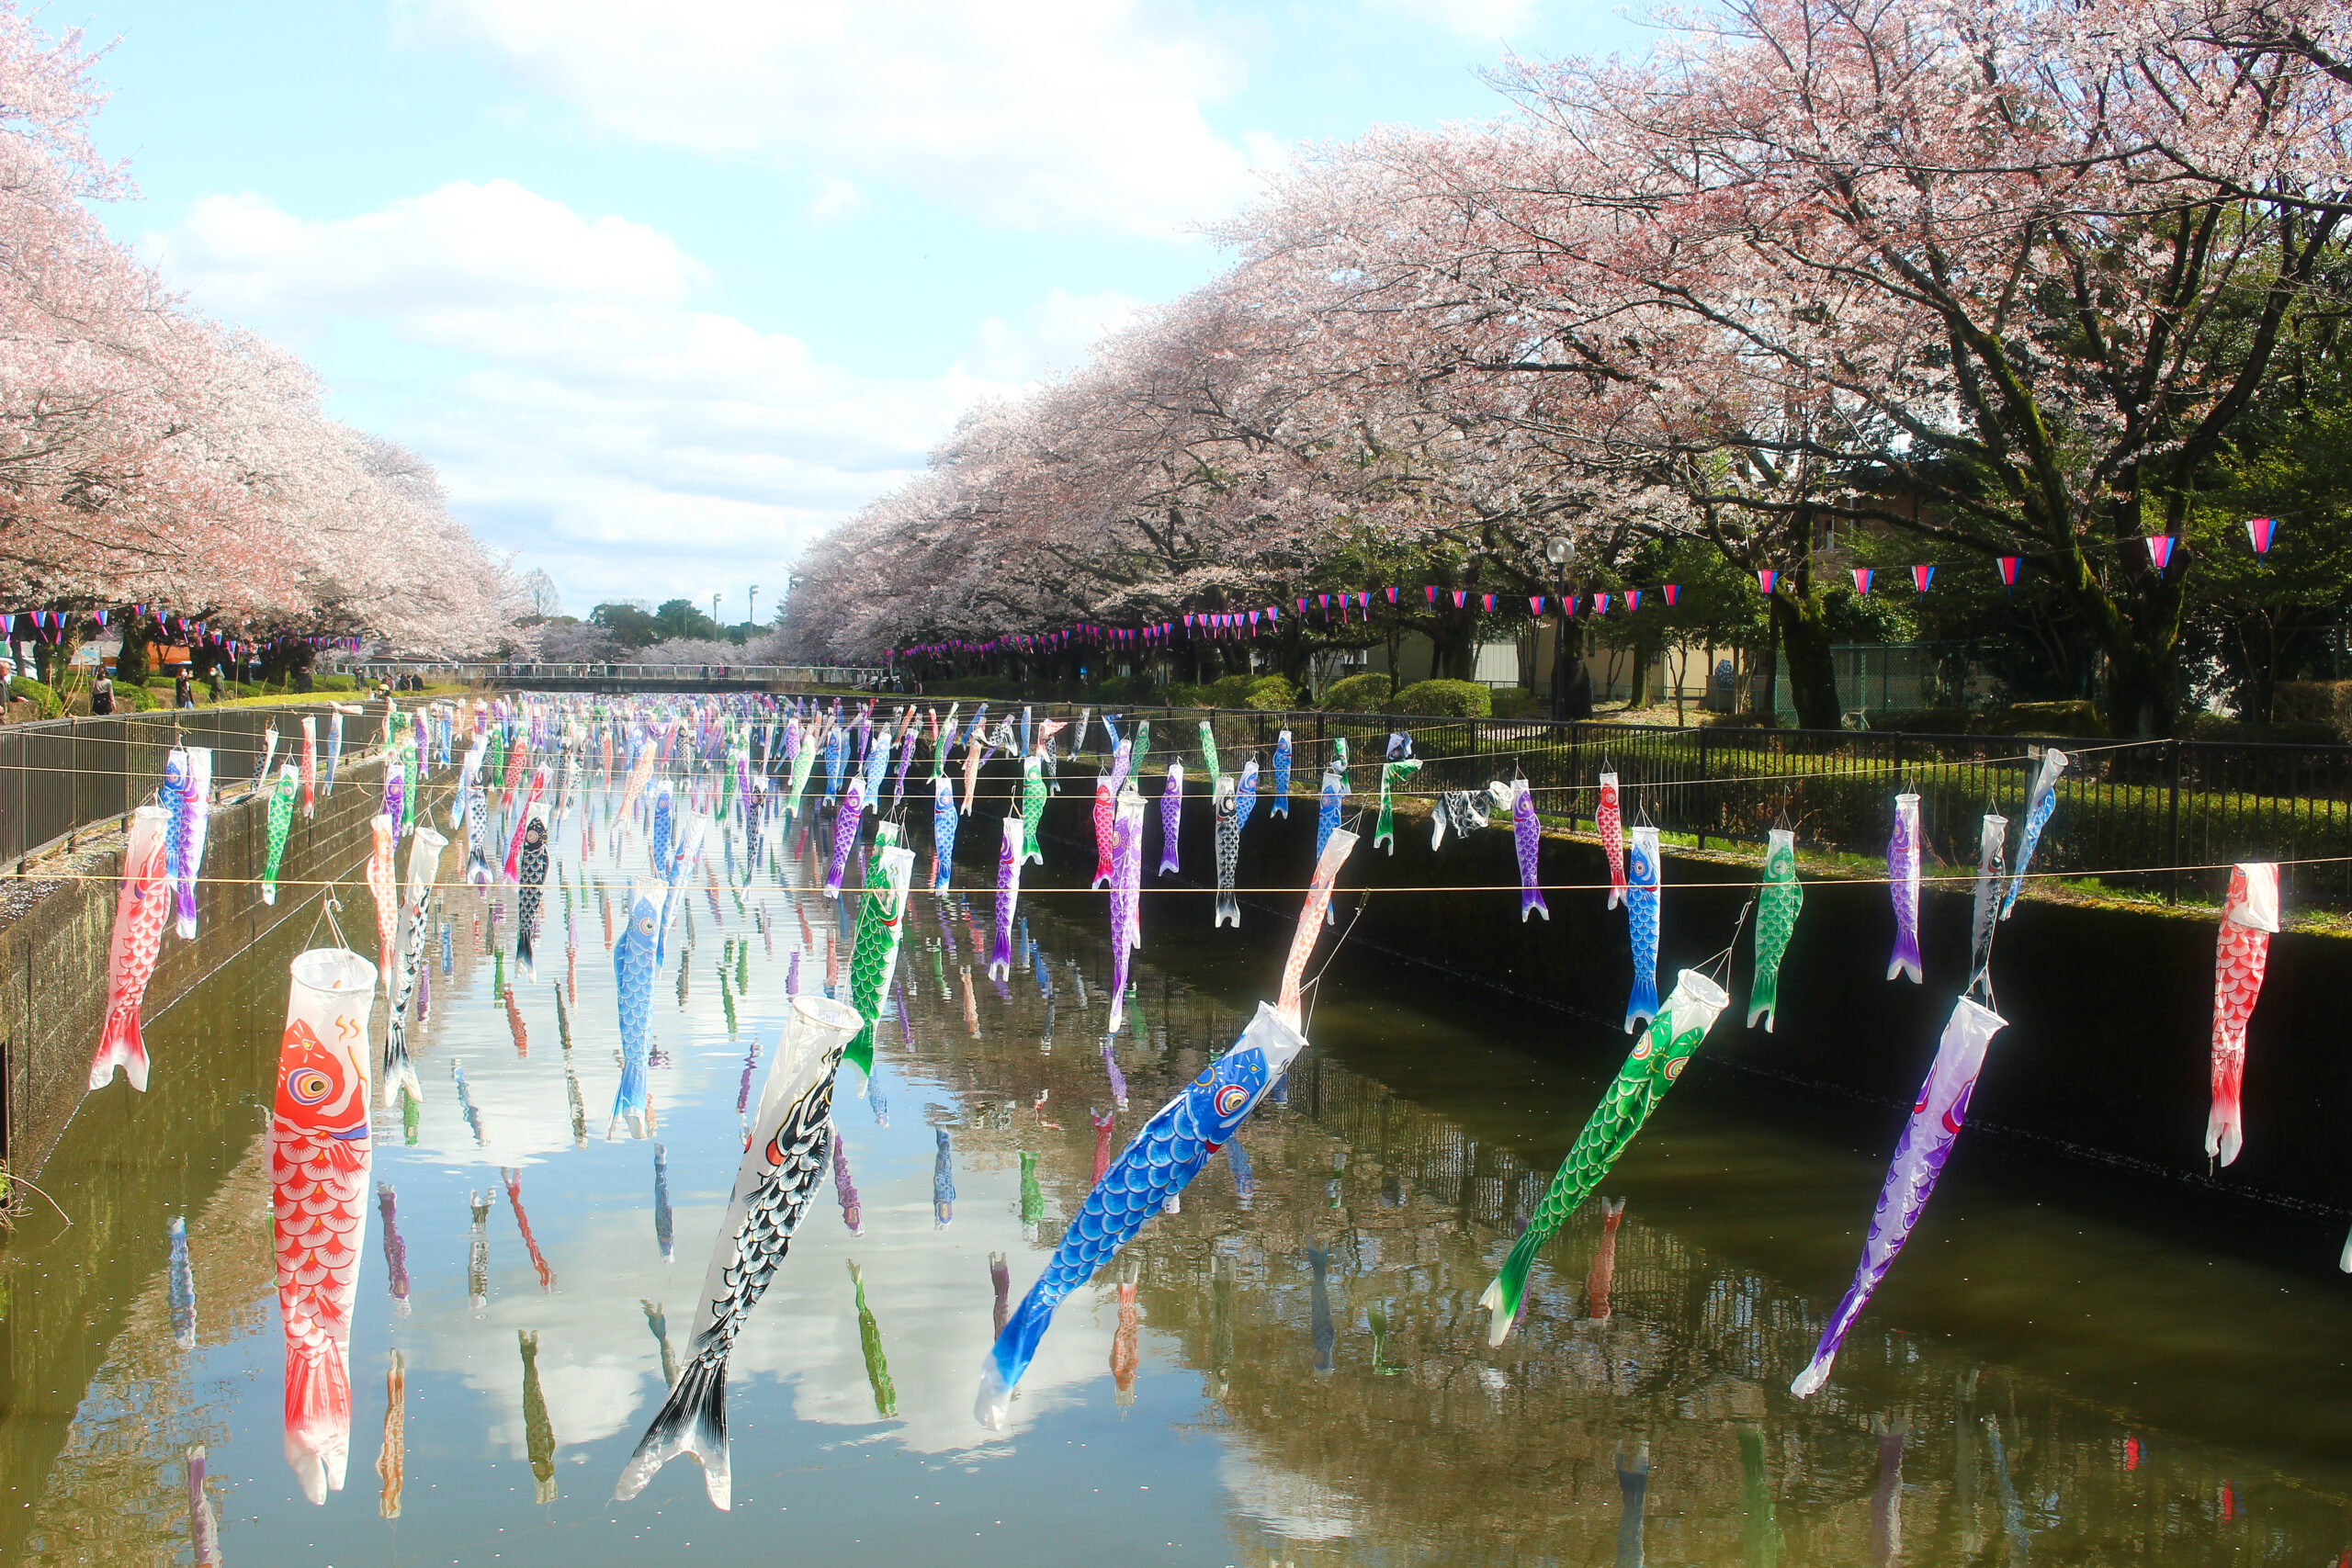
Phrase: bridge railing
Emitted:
{"points": [[524, 671]]}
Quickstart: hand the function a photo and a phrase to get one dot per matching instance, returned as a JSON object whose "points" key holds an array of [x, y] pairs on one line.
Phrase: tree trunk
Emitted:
{"points": [[1804, 621], [131, 664]]}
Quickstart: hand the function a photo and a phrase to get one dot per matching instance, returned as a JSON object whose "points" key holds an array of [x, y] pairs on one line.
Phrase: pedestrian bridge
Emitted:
{"points": [[616, 679]]}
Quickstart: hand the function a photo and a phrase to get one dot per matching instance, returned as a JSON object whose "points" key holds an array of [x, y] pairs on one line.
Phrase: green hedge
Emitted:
{"points": [[2066, 719], [25, 689], [1454, 699], [1367, 693], [1273, 692]]}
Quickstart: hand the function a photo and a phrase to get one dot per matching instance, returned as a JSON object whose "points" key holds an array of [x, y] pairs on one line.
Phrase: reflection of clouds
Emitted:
{"points": [[1287, 1504], [930, 1295], [592, 1209]]}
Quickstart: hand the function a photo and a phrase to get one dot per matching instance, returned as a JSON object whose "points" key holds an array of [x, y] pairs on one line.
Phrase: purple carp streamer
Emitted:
{"points": [[1171, 817], [1529, 836], [1279, 804], [1126, 885], [847, 819], [1919, 1160], [1902, 887], [1008, 892]]}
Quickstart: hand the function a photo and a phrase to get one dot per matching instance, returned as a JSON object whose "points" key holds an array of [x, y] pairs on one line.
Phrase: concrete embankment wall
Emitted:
{"points": [[2109, 1046], [53, 981]]}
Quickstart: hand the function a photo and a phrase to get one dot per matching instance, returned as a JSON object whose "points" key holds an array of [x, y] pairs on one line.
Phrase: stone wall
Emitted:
{"points": [[2107, 1054], [53, 982]]}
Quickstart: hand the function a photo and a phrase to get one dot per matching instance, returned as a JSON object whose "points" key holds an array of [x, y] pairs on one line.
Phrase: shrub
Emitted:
{"points": [[2063, 719], [1231, 692], [2314, 702], [1454, 699], [25, 689], [1136, 689], [1271, 692], [1367, 693], [1517, 702], [1184, 695], [2297, 732], [986, 687]]}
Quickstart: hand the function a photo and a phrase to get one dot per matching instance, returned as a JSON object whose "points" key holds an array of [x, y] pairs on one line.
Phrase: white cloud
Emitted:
{"points": [[1054, 114], [482, 247], [835, 200], [1481, 19], [1053, 337], [579, 407]]}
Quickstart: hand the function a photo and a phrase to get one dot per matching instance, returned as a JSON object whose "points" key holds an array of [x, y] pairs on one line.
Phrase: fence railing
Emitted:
{"points": [[2163, 817], [2166, 818], [70, 775]]}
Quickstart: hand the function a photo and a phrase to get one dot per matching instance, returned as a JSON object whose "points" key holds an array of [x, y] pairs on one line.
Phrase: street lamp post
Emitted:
{"points": [[1559, 551], [752, 603]]}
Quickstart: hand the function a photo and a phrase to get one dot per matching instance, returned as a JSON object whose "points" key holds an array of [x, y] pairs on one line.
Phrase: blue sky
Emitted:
{"points": [[665, 290]]}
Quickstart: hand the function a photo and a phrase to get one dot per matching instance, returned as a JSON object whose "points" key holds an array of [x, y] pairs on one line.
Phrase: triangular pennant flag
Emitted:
{"points": [[1862, 577], [1459, 595], [1535, 604], [1487, 603], [1600, 603], [2160, 551], [2258, 531], [2008, 565], [1392, 596], [1432, 592], [1670, 589], [1921, 576], [1766, 578]]}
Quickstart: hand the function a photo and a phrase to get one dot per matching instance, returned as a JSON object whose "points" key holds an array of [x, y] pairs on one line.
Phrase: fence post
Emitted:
{"points": [[1706, 787], [2172, 815]]}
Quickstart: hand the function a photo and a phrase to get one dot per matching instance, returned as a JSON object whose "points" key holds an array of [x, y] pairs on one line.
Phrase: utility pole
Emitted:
{"points": [[714, 613], [753, 602]]}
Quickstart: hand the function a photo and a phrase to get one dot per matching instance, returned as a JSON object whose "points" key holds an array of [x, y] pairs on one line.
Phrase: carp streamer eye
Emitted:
{"points": [[1231, 1099], [309, 1086]]}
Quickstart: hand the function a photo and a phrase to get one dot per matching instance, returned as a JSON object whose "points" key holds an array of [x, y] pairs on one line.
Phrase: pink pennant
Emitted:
{"points": [[2160, 551], [1921, 576], [2257, 532], [1765, 579], [1670, 589], [1863, 578]]}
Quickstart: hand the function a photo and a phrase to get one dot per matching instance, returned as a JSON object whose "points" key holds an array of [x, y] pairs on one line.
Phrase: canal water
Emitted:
{"points": [[2067, 1365]]}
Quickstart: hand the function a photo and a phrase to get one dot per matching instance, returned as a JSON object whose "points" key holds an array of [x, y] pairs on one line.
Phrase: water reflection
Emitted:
{"points": [[391, 1457], [1293, 1357], [539, 1431]]}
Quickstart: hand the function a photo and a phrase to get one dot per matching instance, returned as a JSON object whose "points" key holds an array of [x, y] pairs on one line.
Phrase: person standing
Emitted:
{"points": [[102, 692], [182, 690]]}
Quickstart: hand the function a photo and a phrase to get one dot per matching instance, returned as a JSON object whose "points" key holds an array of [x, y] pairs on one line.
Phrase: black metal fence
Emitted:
{"points": [[2163, 818], [67, 774]]}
